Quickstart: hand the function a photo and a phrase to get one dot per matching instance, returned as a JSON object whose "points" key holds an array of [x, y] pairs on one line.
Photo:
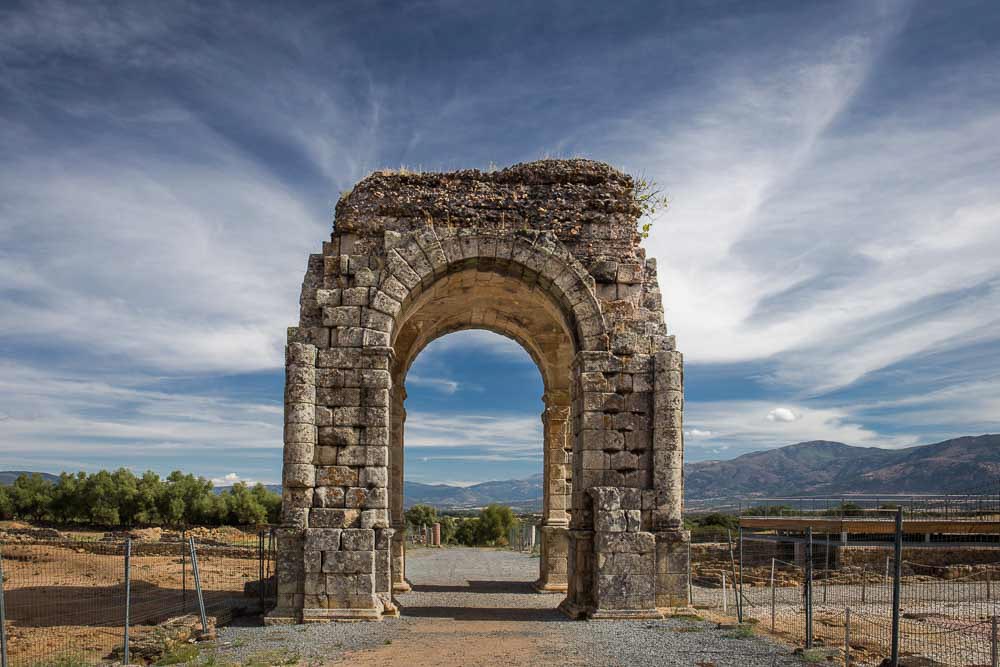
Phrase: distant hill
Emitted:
{"points": [[523, 494], [7, 477], [962, 465]]}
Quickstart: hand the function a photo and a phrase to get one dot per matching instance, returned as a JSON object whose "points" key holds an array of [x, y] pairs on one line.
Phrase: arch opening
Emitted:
{"points": [[476, 299]]}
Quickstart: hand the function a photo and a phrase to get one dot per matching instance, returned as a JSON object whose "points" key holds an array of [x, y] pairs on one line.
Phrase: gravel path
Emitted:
{"points": [[477, 607]]}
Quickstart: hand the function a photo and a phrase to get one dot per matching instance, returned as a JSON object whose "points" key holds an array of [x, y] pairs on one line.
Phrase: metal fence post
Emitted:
{"points": [[809, 591], [3, 619], [993, 643], [740, 593], [128, 595], [897, 586], [197, 585], [725, 600], [732, 563], [690, 589], [184, 590], [847, 637], [826, 567], [260, 568], [772, 595]]}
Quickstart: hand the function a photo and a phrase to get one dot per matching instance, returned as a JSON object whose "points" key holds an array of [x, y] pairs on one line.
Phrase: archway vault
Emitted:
{"points": [[546, 253]]}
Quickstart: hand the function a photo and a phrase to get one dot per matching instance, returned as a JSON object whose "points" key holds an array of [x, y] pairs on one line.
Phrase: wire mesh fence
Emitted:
{"points": [[837, 592], [70, 602]]}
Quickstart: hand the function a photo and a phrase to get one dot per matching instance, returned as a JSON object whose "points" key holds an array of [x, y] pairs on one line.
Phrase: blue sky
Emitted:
{"points": [[830, 262]]}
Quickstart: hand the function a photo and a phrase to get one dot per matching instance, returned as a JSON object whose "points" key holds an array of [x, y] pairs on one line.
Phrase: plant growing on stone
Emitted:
{"points": [[650, 200]]}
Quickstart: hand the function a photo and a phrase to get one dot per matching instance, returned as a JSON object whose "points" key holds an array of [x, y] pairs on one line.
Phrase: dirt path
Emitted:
{"points": [[471, 607]]}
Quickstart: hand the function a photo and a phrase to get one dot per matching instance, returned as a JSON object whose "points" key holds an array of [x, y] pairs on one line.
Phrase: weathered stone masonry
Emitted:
{"points": [[548, 254]]}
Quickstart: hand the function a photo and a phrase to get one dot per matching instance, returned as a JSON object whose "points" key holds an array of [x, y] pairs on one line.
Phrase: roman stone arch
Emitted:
{"points": [[548, 254]]}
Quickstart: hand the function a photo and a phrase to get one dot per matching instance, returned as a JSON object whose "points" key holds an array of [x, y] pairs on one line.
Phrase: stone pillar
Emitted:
{"points": [[298, 478], [437, 534], [397, 518], [552, 577], [668, 482]]}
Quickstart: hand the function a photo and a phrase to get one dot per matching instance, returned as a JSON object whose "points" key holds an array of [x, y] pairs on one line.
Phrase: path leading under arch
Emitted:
{"points": [[476, 607]]}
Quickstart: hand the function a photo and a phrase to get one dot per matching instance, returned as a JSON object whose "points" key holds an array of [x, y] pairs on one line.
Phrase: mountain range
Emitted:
{"points": [[969, 464]]}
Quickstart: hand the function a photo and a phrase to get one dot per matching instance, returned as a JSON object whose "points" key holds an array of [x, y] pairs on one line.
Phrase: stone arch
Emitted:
{"points": [[561, 236], [477, 292]]}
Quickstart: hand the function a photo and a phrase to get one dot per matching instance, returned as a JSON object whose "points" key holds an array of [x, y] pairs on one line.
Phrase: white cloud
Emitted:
{"points": [[69, 416], [504, 433], [782, 415], [442, 385], [698, 433], [740, 427]]}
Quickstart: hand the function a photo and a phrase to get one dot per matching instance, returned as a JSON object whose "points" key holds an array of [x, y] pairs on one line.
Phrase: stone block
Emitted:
{"points": [[377, 498], [348, 562], [374, 519], [350, 336], [624, 542], [300, 393], [326, 455], [358, 539], [300, 353], [373, 476], [300, 413], [336, 476], [322, 539], [296, 497], [298, 374], [355, 497], [300, 433], [612, 521], [299, 452], [299, 475], [377, 436], [383, 537], [294, 517], [328, 496], [324, 416], [334, 518]]}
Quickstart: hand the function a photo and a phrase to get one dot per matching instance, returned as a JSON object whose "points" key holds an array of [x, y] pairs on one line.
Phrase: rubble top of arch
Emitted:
{"points": [[588, 205]]}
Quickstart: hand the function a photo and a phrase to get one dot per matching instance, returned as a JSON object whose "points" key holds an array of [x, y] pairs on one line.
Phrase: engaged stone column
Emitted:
{"points": [[668, 482], [397, 517], [298, 476], [554, 551]]}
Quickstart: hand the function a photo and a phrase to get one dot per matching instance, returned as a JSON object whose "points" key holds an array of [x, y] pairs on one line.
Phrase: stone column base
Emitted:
{"points": [[624, 614], [672, 569], [282, 617], [326, 615], [552, 565], [401, 586]]}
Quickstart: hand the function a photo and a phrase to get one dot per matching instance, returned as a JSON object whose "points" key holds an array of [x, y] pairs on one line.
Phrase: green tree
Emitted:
{"points": [[100, 497], [241, 507], [494, 523], [421, 515], [448, 529], [32, 496], [468, 532], [6, 504], [269, 500], [67, 505], [147, 495]]}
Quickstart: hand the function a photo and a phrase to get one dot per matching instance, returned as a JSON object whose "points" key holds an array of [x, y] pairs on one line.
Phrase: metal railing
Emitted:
{"points": [[901, 597], [90, 602]]}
